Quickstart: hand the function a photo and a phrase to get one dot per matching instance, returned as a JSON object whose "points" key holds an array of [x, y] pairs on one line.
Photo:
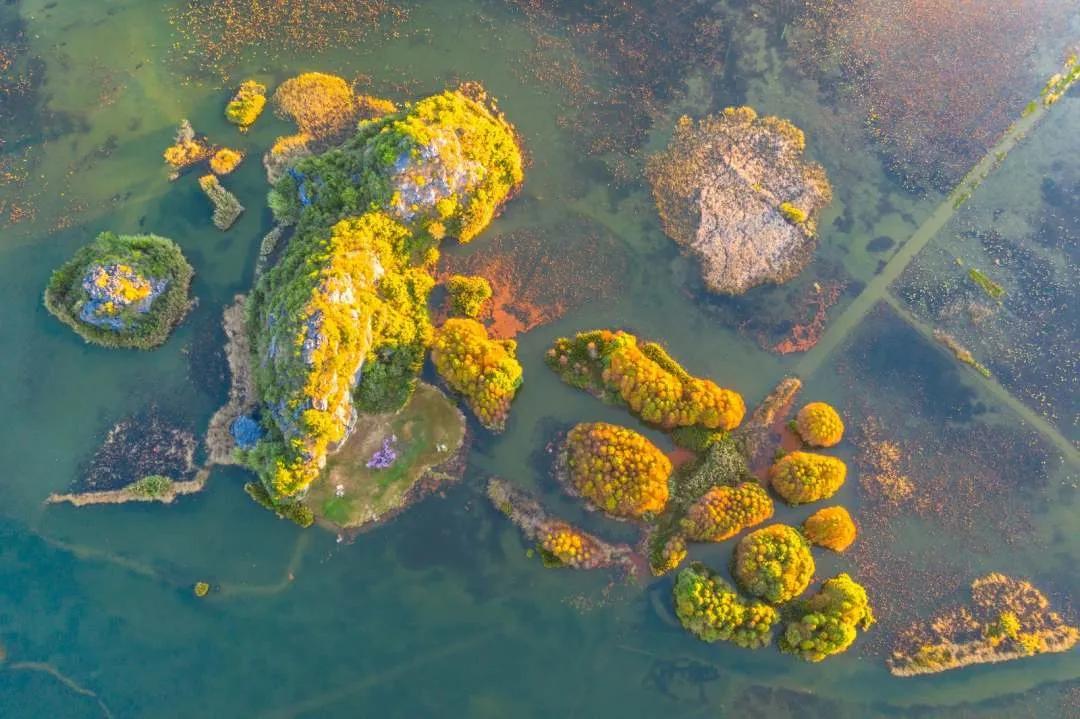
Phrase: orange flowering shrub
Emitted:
{"points": [[773, 563], [819, 425], [562, 545], [831, 527], [802, 477], [485, 370], [724, 511], [653, 385], [225, 161], [617, 469]]}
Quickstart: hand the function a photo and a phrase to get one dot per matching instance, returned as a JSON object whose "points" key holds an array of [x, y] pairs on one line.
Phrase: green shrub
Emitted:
{"points": [[151, 486]]}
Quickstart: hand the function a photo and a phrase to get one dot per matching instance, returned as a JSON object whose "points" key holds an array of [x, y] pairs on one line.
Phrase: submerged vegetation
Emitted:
{"points": [[122, 290]]}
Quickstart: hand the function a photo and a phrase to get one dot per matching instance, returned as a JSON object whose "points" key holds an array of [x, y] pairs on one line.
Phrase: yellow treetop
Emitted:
{"points": [[819, 425]]}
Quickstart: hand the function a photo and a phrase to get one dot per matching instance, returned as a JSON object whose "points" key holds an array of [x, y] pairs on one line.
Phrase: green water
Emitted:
{"points": [[441, 613]]}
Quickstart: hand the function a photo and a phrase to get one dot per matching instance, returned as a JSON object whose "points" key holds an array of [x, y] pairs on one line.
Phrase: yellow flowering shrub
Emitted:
{"points": [[802, 477], [819, 425], [321, 105], [246, 105], [651, 383], [468, 294], [711, 610], [724, 511], [565, 545], [670, 555], [831, 527], [773, 563], [484, 370], [225, 161], [617, 469]]}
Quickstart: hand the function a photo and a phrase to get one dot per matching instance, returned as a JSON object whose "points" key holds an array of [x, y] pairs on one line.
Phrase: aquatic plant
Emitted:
{"points": [[960, 352], [246, 105], [187, 148], [151, 486], [468, 295], [724, 511], [710, 609], [773, 563], [717, 188], [802, 477], [819, 425], [227, 209], [616, 469], [827, 622], [448, 160], [991, 288], [225, 161], [484, 370], [201, 589], [650, 382], [1006, 619], [830, 527], [122, 290]]}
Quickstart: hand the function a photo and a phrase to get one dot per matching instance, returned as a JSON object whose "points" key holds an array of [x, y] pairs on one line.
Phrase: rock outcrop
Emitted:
{"points": [[735, 192]]}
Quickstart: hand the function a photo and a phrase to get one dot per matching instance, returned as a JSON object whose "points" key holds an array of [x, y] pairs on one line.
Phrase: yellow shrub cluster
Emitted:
{"points": [[225, 161], [566, 545], [484, 370], [671, 555], [831, 527], [711, 610], [660, 391], [828, 621], [724, 511], [617, 469], [321, 105], [819, 425], [801, 477], [774, 563], [246, 105]]}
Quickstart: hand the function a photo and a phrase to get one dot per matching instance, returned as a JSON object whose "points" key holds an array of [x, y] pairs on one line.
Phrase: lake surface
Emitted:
{"points": [[442, 612]]}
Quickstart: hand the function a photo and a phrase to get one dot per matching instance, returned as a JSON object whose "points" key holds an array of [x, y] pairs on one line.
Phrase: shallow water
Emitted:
{"points": [[441, 613]]}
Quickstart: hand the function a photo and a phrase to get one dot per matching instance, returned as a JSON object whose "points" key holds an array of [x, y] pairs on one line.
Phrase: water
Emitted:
{"points": [[441, 613]]}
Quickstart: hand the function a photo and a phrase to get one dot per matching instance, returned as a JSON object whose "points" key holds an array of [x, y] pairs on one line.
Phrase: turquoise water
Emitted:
{"points": [[441, 613]]}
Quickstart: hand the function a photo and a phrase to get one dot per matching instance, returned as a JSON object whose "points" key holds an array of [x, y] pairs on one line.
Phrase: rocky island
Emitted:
{"points": [[339, 326], [735, 192], [122, 290]]}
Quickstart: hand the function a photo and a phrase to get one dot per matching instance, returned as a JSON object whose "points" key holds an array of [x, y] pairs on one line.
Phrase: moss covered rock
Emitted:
{"points": [[773, 563], [122, 290]]}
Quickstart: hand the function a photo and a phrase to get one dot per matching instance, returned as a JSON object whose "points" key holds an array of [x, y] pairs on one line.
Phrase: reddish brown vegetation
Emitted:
{"points": [[535, 281], [818, 299], [938, 80]]}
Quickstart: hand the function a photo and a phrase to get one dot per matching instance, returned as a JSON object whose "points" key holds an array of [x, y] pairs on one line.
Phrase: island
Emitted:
{"points": [[338, 326], [735, 192], [122, 290]]}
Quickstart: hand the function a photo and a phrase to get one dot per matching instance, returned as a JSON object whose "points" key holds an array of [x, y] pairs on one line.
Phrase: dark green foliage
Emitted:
{"points": [[150, 255], [389, 381], [696, 438], [293, 511], [722, 464], [151, 486]]}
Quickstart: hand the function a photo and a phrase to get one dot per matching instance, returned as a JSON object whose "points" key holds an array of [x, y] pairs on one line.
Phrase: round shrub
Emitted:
{"points": [[724, 511], [819, 425], [828, 621], [617, 469], [831, 527], [122, 290], [773, 563], [484, 370], [468, 294], [802, 477], [225, 161], [562, 545], [246, 105], [668, 555], [711, 610]]}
